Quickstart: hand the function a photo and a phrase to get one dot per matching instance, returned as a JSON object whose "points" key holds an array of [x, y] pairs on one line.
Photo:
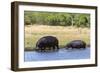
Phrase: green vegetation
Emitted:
{"points": [[57, 19]]}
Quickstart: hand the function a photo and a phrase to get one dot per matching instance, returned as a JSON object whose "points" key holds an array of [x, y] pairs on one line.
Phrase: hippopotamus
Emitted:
{"points": [[76, 44], [50, 42]]}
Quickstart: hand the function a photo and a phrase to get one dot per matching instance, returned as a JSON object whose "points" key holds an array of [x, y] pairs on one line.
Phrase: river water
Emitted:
{"points": [[62, 54]]}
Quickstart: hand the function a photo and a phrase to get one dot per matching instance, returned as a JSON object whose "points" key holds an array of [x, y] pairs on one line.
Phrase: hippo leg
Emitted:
{"points": [[52, 48], [56, 47], [42, 49]]}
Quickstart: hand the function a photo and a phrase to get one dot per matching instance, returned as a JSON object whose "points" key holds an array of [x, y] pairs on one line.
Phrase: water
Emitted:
{"points": [[62, 54]]}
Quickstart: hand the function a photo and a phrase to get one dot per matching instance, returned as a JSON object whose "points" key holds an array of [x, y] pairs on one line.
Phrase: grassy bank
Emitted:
{"points": [[64, 34]]}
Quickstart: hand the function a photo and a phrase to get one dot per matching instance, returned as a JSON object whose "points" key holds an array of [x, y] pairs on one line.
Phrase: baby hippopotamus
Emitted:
{"points": [[76, 44]]}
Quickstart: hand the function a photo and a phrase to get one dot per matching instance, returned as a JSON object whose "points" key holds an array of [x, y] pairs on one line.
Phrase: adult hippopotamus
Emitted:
{"points": [[49, 42], [76, 44]]}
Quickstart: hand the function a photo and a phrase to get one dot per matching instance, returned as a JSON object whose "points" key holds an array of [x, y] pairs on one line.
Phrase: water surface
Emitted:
{"points": [[62, 54]]}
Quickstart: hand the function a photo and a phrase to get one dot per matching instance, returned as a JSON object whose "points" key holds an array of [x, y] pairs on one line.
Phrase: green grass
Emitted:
{"points": [[64, 34]]}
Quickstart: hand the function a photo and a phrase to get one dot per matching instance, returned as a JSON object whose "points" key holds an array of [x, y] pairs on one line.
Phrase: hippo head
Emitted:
{"points": [[68, 46]]}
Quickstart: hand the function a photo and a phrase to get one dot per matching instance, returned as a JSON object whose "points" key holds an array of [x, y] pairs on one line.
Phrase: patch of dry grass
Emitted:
{"points": [[64, 34]]}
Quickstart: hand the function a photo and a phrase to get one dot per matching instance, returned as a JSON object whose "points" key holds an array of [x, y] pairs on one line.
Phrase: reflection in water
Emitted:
{"points": [[62, 54]]}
